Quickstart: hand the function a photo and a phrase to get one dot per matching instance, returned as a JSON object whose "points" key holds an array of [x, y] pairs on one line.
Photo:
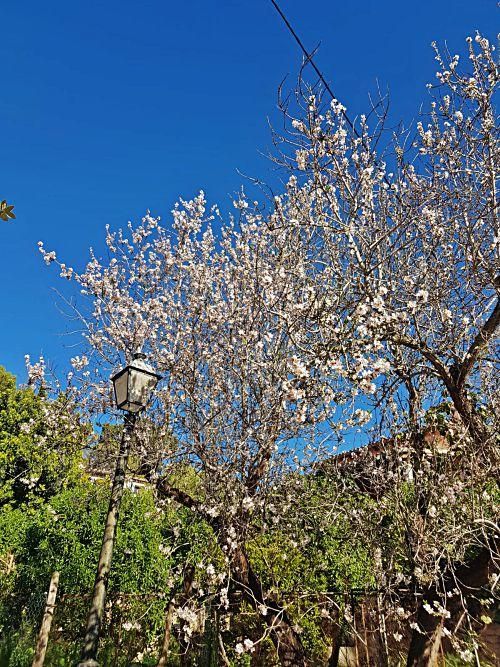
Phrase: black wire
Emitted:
{"points": [[309, 58]]}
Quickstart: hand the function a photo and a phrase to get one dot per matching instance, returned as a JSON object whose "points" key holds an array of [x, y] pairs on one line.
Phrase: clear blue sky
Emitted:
{"points": [[109, 108]]}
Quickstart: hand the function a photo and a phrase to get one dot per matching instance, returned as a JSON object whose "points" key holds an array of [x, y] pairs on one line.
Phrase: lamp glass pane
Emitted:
{"points": [[121, 389], [140, 386]]}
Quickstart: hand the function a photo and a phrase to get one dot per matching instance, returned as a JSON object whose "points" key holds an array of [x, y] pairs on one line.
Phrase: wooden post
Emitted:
{"points": [[363, 617], [43, 637], [356, 635]]}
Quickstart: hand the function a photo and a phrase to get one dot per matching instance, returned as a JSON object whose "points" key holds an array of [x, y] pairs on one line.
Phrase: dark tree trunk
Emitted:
{"points": [[285, 639], [469, 578], [336, 643], [187, 589], [424, 648], [165, 649]]}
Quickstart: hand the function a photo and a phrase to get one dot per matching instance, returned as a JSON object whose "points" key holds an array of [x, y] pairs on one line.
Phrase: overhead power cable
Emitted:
{"points": [[309, 58]]}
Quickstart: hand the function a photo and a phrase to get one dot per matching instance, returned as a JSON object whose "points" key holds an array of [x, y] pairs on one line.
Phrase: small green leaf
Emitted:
{"points": [[6, 211]]}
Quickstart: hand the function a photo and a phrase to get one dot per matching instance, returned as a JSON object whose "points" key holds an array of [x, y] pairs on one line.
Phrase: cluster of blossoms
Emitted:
{"points": [[36, 371]]}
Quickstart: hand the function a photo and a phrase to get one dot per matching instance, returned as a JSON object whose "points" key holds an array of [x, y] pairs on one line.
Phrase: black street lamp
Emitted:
{"points": [[134, 384], [133, 387]]}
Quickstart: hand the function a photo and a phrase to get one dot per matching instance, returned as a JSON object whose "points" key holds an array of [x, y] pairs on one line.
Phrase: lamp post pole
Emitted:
{"points": [[94, 621], [133, 386]]}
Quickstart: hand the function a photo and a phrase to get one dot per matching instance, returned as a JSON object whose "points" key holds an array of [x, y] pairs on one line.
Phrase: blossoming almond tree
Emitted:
{"points": [[405, 281], [236, 394]]}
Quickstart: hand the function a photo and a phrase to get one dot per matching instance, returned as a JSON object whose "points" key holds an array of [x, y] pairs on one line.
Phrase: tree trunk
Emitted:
{"points": [[469, 578], [285, 639], [470, 419], [425, 648], [336, 644], [187, 586], [167, 634]]}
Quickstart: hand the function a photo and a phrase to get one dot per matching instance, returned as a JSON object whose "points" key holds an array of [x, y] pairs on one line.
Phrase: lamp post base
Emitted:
{"points": [[88, 663]]}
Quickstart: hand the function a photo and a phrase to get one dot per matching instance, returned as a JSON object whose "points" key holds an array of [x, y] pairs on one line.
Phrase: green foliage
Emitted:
{"points": [[52, 518], [6, 211], [59, 527], [18, 649], [65, 535], [300, 566], [37, 458]]}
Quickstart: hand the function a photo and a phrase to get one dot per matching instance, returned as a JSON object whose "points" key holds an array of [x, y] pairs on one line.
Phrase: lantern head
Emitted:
{"points": [[134, 384]]}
